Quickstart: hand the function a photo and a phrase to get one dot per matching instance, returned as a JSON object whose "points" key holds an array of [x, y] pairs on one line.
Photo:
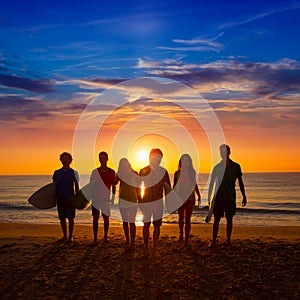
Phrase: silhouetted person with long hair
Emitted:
{"points": [[225, 198], [128, 198], [67, 179], [155, 179], [185, 185], [103, 178]]}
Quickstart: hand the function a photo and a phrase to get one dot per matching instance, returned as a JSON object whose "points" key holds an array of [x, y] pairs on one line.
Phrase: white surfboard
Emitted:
{"points": [[45, 197], [212, 202], [172, 200]]}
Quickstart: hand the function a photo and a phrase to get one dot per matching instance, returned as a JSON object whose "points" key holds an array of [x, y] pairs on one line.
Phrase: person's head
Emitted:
{"points": [[103, 158], [66, 159], [124, 166], [224, 151], [155, 157], [185, 162]]}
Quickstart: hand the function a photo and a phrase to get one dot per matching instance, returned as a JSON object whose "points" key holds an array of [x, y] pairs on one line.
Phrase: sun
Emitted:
{"points": [[142, 155]]}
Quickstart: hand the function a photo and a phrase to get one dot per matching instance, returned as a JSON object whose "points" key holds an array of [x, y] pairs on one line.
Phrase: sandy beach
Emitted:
{"points": [[262, 263]]}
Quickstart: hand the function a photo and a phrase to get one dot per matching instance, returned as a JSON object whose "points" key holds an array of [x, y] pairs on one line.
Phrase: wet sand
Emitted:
{"points": [[262, 263]]}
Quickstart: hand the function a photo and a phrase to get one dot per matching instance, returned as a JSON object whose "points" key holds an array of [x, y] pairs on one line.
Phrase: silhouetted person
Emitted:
{"points": [[103, 177], [67, 179], [128, 198], [155, 179], [185, 186], [225, 199]]}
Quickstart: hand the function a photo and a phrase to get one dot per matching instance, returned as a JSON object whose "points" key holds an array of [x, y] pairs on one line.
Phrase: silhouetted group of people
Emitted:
{"points": [[147, 190]]}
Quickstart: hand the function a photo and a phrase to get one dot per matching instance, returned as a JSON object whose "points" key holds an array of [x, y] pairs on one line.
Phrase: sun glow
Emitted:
{"points": [[142, 155], [139, 219], [138, 154]]}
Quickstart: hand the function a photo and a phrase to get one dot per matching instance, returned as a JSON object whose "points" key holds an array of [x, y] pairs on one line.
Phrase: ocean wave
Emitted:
{"points": [[256, 211], [240, 210], [18, 207]]}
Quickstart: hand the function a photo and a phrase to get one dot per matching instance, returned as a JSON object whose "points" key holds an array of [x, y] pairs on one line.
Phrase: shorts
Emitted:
{"points": [[227, 207], [154, 211], [65, 209], [128, 214], [104, 207]]}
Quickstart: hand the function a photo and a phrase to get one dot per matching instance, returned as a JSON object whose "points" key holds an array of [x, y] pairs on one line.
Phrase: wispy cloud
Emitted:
{"points": [[196, 44], [258, 16]]}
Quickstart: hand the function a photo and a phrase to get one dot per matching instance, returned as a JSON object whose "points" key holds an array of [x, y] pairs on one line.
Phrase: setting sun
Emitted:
{"points": [[142, 155]]}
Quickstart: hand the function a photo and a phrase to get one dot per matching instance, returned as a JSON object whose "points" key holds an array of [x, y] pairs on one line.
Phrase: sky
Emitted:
{"points": [[126, 76]]}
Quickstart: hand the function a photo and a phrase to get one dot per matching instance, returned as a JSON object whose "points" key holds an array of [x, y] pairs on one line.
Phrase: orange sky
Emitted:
{"points": [[37, 151], [260, 140]]}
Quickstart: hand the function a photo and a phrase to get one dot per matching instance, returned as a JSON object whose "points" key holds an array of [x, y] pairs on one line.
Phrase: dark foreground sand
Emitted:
{"points": [[262, 263]]}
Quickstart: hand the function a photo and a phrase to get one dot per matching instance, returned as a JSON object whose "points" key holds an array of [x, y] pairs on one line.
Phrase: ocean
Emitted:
{"points": [[273, 199]]}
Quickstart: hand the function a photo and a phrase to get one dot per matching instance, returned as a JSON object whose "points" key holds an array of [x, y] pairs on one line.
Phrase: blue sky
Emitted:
{"points": [[243, 56], [99, 39]]}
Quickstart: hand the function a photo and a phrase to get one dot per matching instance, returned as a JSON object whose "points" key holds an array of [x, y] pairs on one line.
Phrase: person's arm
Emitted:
{"points": [[242, 189], [76, 184], [76, 187], [198, 194], [117, 179], [113, 190], [210, 188], [139, 188], [175, 179], [167, 184]]}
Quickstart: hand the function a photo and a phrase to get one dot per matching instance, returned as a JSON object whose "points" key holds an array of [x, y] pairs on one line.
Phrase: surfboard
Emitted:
{"points": [[212, 202], [172, 200], [45, 197], [81, 200]]}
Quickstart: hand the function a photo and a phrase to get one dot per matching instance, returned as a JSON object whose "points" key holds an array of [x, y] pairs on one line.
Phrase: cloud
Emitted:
{"points": [[37, 86], [290, 116], [258, 16], [258, 78], [196, 48], [97, 83], [196, 44], [25, 112]]}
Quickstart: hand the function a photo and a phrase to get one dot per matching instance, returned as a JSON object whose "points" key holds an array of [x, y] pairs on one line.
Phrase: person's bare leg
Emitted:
{"points": [[215, 231], [71, 228], [95, 228], [188, 215], [229, 230], [106, 226], [187, 229], [181, 222], [126, 232], [63, 225], [156, 234], [146, 229], [132, 234]]}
